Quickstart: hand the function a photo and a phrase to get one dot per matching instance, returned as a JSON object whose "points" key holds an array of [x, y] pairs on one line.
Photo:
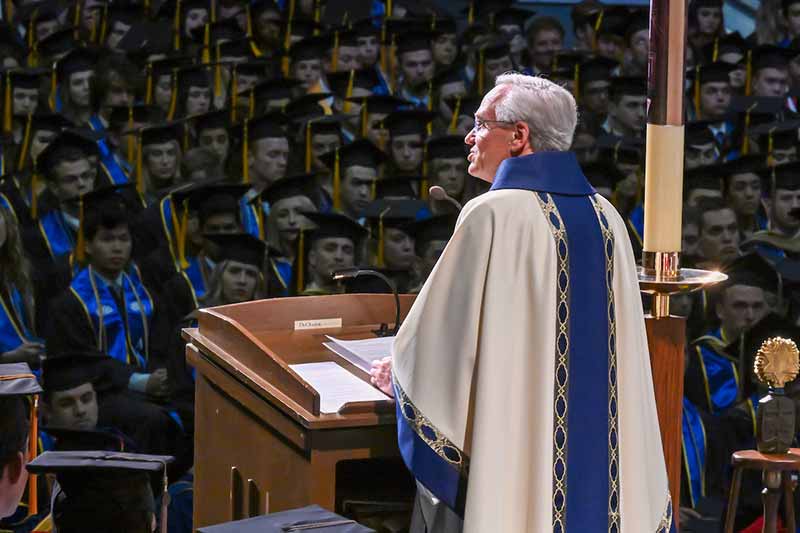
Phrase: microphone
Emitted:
{"points": [[353, 273], [438, 193]]}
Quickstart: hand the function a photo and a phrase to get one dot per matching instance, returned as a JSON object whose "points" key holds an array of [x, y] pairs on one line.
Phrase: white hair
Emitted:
{"points": [[548, 109]]}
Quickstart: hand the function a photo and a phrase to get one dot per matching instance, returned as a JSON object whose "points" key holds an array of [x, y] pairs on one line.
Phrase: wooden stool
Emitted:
{"points": [[773, 467]]}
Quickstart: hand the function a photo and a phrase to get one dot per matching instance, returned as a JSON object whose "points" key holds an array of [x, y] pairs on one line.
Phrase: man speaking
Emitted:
{"points": [[521, 374]]}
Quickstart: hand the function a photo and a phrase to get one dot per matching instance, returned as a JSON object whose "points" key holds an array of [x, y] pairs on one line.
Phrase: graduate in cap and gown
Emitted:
{"points": [[355, 168], [743, 189], [779, 241], [415, 67], [333, 244], [447, 168], [431, 236], [289, 199], [711, 94], [18, 440], [100, 490], [408, 131], [73, 96]]}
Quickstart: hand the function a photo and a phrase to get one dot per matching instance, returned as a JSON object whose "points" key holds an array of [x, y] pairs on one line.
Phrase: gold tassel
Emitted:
{"points": [[148, 94], [8, 104], [715, 53], [429, 126], [456, 113], [597, 24], [206, 54], [471, 13], [696, 96], [381, 248], [139, 175], [245, 149], [251, 104], [176, 27], [146, 8], [389, 8], [26, 142], [337, 182], [335, 55], [373, 189], [364, 117], [218, 74], [80, 253], [131, 143], [34, 193], [76, 21], [53, 88], [33, 451], [384, 53], [173, 99], [185, 144], [770, 148], [260, 218], [317, 13], [308, 147], [182, 230], [301, 252], [349, 90], [287, 39], [746, 131], [392, 60], [213, 13], [423, 184], [576, 80], [234, 93], [748, 78]]}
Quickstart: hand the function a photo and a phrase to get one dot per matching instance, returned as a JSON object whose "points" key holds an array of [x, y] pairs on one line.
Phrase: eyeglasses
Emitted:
{"points": [[481, 124]]}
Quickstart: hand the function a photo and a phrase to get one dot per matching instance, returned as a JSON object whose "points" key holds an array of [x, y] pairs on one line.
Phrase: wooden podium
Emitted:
{"points": [[261, 444]]}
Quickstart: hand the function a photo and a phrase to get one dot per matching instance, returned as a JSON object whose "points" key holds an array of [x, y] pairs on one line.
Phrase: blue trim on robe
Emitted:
{"points": [[720, 375], [694, 448], [585, 482], [108, 158], [770, 252], [636, 222], [14, 330], [551, 172], [284, 272], [123, 339], [251, 222], [446, 479], [195, 276], [57, 235]]}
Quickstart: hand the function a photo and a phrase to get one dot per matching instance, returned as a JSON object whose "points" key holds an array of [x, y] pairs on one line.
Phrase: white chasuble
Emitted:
{"points": [[522, 373]]}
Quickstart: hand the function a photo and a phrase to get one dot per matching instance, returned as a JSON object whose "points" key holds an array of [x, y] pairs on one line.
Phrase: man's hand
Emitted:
{"points": [[27, 352], [381, 373], [157, 384]]}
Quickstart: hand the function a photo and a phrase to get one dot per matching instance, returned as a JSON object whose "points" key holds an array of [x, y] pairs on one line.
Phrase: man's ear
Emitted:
{"points": [[14, 469], [520, 138]]}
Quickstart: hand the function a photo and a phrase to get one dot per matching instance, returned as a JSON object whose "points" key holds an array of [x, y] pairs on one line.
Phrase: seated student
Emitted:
{"points": [[714, 380], [718, 241], [333, 244], [354, 168], [447, 168], [782, 203], [96, 493], [211, 209], [106, 307], [18, 341], [236, 278], [17, 382], [289, 199], [743, 191], [430, 238], [69, 174], [159, 172], [407, 135], [24, 86], [392, 242]]}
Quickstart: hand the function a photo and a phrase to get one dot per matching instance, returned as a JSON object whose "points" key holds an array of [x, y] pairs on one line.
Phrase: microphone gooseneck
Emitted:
{"points": [[438, 193], [354, 272]]}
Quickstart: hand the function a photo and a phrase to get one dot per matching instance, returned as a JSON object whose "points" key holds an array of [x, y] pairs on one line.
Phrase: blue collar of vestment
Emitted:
{"points": [[550, 172]]}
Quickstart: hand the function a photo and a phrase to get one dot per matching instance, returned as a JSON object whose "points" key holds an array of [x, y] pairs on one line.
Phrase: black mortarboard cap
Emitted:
{"points": [[413, 41], [98, 486], [305, 28], [628, 86], [511, 15], [253, 67], [267, 126], [67, 138], [67, 439], [78, 60], [329, 225], [26, 78], [40, 11], [219, 32], [785, 176], [731, 43], [306, 107], [141, 114], [277, 89], [394, 213], [408, 122], [614, 22], [66, 371], [451, 74], [212, 120], [309, 48], [111, 198], [285, 520], [346, 11], [771, 56], [782, 134], [752, 270], [163, 67], [467, 105], [639, 21], [194, 76], [754, 163], [365, 27], [240, 50], [443, 25], [10, 37], [240, 247], [596, 69], [446, 147], [621, 150], [211, 198], [697, 133], [438, 228], [711, 72], [162, 133], [379, 103], [58, 43], [17, 379], [496, 49], [298, 185], [360, 152], [365, 78], [603, 174], [398, 187], [324, 124], [705, 177], [49, 122]]}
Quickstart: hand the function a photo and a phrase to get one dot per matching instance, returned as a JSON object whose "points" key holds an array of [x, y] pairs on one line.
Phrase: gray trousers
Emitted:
{"points": [[432, 516]]}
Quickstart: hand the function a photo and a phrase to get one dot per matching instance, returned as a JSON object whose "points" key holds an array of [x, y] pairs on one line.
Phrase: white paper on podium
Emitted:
{"points": [[336, 386], [361, 352]]}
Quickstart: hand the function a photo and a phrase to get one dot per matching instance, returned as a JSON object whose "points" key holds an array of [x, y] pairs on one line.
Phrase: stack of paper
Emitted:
{"points": [[336, 386], [361, 352]]}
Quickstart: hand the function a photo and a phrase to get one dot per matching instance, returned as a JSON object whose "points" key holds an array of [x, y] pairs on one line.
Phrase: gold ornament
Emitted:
{"points": [[777, 362]]}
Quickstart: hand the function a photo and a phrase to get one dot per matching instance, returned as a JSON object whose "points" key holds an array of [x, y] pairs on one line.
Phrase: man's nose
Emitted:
{"points": [[469, 139]]}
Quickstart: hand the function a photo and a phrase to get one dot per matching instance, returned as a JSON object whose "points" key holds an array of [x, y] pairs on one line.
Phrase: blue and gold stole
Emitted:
{"points": [[56, 234], [283, 273], [720, 375], [694, 448], [121, 333], [252, 217], [196, 277], [14, 327], [108, 161]]}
